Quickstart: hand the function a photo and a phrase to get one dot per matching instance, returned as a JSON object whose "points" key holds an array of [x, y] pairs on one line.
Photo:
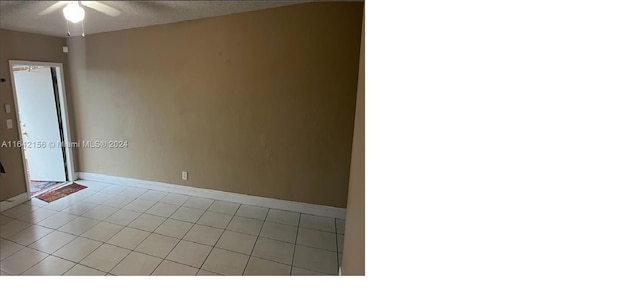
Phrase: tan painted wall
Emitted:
{"points": [[353, 261], [20, 46], [259, 103]]}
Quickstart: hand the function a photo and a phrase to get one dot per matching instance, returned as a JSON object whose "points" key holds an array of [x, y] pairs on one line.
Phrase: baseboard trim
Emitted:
{"points": [[314, 209], [76, 176], [16, 200]]}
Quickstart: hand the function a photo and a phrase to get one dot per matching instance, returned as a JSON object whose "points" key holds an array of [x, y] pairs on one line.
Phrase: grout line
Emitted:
{"points": [[295, 245], [335, 224], [253, 248], [209, 254]]}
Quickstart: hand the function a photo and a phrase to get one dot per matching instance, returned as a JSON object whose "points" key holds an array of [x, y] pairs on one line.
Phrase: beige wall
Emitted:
{"points": [[260, 103], [19, 46], [353, 261]]}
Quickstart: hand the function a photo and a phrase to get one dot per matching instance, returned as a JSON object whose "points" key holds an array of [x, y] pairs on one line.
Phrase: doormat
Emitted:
{"points": [[60, 192]]}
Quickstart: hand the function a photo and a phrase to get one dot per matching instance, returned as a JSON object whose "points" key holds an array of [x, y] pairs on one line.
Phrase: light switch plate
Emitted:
{"points": [[9, 123], [7, 108]]}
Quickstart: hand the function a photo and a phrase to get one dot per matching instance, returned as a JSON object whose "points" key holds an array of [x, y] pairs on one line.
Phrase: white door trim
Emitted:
{"points": [[64, 112]]}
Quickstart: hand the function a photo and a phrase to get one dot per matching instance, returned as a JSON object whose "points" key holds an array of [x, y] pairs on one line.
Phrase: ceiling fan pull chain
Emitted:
{"points": [[68, 32], [82, 27]]}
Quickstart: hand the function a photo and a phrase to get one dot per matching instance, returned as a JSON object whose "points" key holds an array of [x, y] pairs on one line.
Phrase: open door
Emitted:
{"points": [[40, 122]]}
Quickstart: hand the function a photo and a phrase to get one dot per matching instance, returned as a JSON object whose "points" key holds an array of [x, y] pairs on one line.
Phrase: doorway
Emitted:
{"points": [[41, 111]]}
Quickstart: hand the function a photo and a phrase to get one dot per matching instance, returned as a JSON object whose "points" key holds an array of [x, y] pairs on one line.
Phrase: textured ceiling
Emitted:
{"points": [[23, 15]]}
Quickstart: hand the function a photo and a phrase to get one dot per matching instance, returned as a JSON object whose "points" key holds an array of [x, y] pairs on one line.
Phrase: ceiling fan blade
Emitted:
{"points": [[53, 7], [106, 9]]}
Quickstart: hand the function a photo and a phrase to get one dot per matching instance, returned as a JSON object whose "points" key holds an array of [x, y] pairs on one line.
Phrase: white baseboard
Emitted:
{"points": [[76, 176], [314, 209], [16, 200]]}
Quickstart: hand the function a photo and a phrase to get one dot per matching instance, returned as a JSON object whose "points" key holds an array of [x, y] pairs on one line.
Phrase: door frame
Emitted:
{"points": [[64, 112]]}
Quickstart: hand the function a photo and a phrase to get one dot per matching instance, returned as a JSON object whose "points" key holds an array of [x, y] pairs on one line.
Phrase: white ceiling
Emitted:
{"points": [[23, 15]]}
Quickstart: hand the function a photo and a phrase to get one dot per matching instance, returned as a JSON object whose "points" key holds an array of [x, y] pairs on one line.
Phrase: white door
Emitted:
{"points": [[40, 127]]}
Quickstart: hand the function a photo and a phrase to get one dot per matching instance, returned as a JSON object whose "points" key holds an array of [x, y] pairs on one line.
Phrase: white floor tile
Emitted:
{"points": [[187, 214], [189, 253], [5, 219], [317, 239], [36, 202], [273, 250], [97, 198], [103, 231], [224, 207], [113, 189], [52, 242], [147, 222], [316, 260], [214, 219], [58, 205], [157, 245], [128, 238], [57, 220], [8, 248], [237, 242], [132, 192], [105, 258], [162, 209], [283, 217], [77, 249], [118, 201], [78, 226], [122, 217], [50, 266], [21, 261], [137, 264], [168, 268], [30, 235], [80, 208], [153, 195], [19, 210], [261, 267], [140, 205], [174, 228], [93, 185], [206, 273], [13, 227], [225, 262], [100, 212], [245, 225], [81, 270], [175, 199], [254, 212], [198, 203], [295, 271], [280, 232], [204, 235], [319, 223], [37, 215]]}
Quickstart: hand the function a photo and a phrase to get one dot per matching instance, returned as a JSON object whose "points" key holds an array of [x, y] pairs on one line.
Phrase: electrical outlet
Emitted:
{"points": [[184, 175]]}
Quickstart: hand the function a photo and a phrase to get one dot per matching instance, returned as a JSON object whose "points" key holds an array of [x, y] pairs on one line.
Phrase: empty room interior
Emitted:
{"points": [[182, 138]]}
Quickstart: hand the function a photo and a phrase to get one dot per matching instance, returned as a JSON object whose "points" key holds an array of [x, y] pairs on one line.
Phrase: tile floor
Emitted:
{"points": [[110, 229]]}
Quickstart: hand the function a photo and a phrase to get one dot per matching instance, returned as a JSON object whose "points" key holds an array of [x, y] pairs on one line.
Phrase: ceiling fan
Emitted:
{"points": [[74, 12]]}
